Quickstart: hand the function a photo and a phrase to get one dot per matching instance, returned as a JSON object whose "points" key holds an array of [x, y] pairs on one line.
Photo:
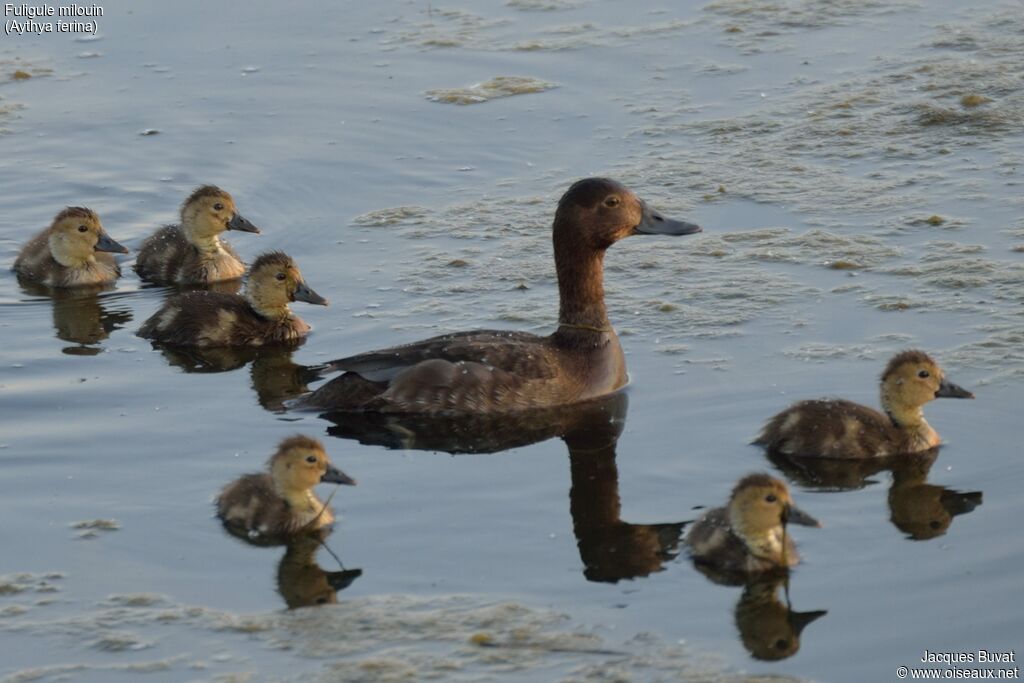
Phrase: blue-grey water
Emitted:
{"points": [[856, 167]]}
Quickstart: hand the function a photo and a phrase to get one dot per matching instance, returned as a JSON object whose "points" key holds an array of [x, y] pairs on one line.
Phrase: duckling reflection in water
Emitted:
{"points": [[769, 628], [280, 503], [843, 429], [80, 315], [192, 252], [276, 378], [917, 508], [260, 316], [748, 536], [304, 583], [74, 251]]}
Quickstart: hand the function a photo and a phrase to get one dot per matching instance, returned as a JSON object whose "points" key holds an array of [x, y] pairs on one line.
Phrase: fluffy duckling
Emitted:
{"points": [[260, 316], [73, 251], [843, 429], [192, 252], [769, 628], [748, 536], [281, 503]]}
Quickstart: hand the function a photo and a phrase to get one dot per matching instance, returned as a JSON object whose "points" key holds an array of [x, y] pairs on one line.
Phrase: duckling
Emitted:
{"points": [[749, 535], [493, 371], [192, 252], [843, 429], [282, 503], [74, 251], [260, 316]]}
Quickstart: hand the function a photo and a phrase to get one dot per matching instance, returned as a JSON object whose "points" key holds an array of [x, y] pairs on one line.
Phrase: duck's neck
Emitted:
{"points": [[303, 501], [270, 312], [581, 287], [767, 544], [901, 415], [207, 243]]}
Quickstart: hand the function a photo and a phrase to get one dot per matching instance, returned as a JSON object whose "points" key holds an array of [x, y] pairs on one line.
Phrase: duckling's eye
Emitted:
{"points": [[923, 374], [771, 498], [83, 228], [311, 458], [218, 206], [781, 644], [280, 277], [321, 601], [611, 202], [935, 525]]}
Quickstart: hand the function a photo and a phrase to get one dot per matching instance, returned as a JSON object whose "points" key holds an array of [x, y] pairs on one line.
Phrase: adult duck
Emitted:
{"points": [[490, 371]]}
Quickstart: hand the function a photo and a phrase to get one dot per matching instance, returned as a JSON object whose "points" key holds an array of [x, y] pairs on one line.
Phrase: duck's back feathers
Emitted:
{"points": [[832, 429], [168, 257], [213, 319], [252, 506], [481, 371]]}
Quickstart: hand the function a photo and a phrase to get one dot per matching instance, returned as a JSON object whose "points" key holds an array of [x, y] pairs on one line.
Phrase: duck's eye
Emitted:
{"points": [[935, 525], [771, 498], [311, 458], [923, 374], [611, 202], [83, 228], [218, 206], [781, 644], [321, 601], [280, 277]]}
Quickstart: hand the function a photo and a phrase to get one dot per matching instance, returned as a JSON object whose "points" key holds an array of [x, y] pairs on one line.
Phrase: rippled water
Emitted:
{"points": [[855, 165]]}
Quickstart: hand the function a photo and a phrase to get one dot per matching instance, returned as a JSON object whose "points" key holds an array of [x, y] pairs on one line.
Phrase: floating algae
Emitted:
{"points": [[500, 86]]}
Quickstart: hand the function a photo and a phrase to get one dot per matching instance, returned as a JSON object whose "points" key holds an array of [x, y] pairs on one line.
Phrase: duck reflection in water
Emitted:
{"points": [[304, 583], [769, 628], [80, 315], [276, 378], [917, 508], [611, 549]]}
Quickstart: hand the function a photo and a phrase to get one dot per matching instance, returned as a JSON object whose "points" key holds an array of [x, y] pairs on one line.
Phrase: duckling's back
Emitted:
{"points": [[251, 504], [832, 429], [168, 257], [214, 319]]}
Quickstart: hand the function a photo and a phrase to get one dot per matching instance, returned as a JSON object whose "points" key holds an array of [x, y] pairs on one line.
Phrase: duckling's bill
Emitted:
{"points": [[107, 243], [335, 476], [653, 223], [304, 292], [950, 390], [794, 515], [242, 224]]}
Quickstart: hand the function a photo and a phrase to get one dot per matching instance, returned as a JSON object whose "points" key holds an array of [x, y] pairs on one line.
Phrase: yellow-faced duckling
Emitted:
{"points": [[261, 316], [73, 251], [281, 503], [843, 429], [749, 535], [499, 371], [192, 252], [769, 628]]}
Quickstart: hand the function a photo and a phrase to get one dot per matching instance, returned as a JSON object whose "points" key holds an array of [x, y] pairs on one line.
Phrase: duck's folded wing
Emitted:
{"points": [[509, 351]]}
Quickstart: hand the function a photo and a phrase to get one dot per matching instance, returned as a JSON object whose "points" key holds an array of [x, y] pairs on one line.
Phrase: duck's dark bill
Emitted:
{"points": [[950, 390], [304, 293], [237, 222], [653, 223], [105, 243], [798, 620], [795, 515], [335, 476]]}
